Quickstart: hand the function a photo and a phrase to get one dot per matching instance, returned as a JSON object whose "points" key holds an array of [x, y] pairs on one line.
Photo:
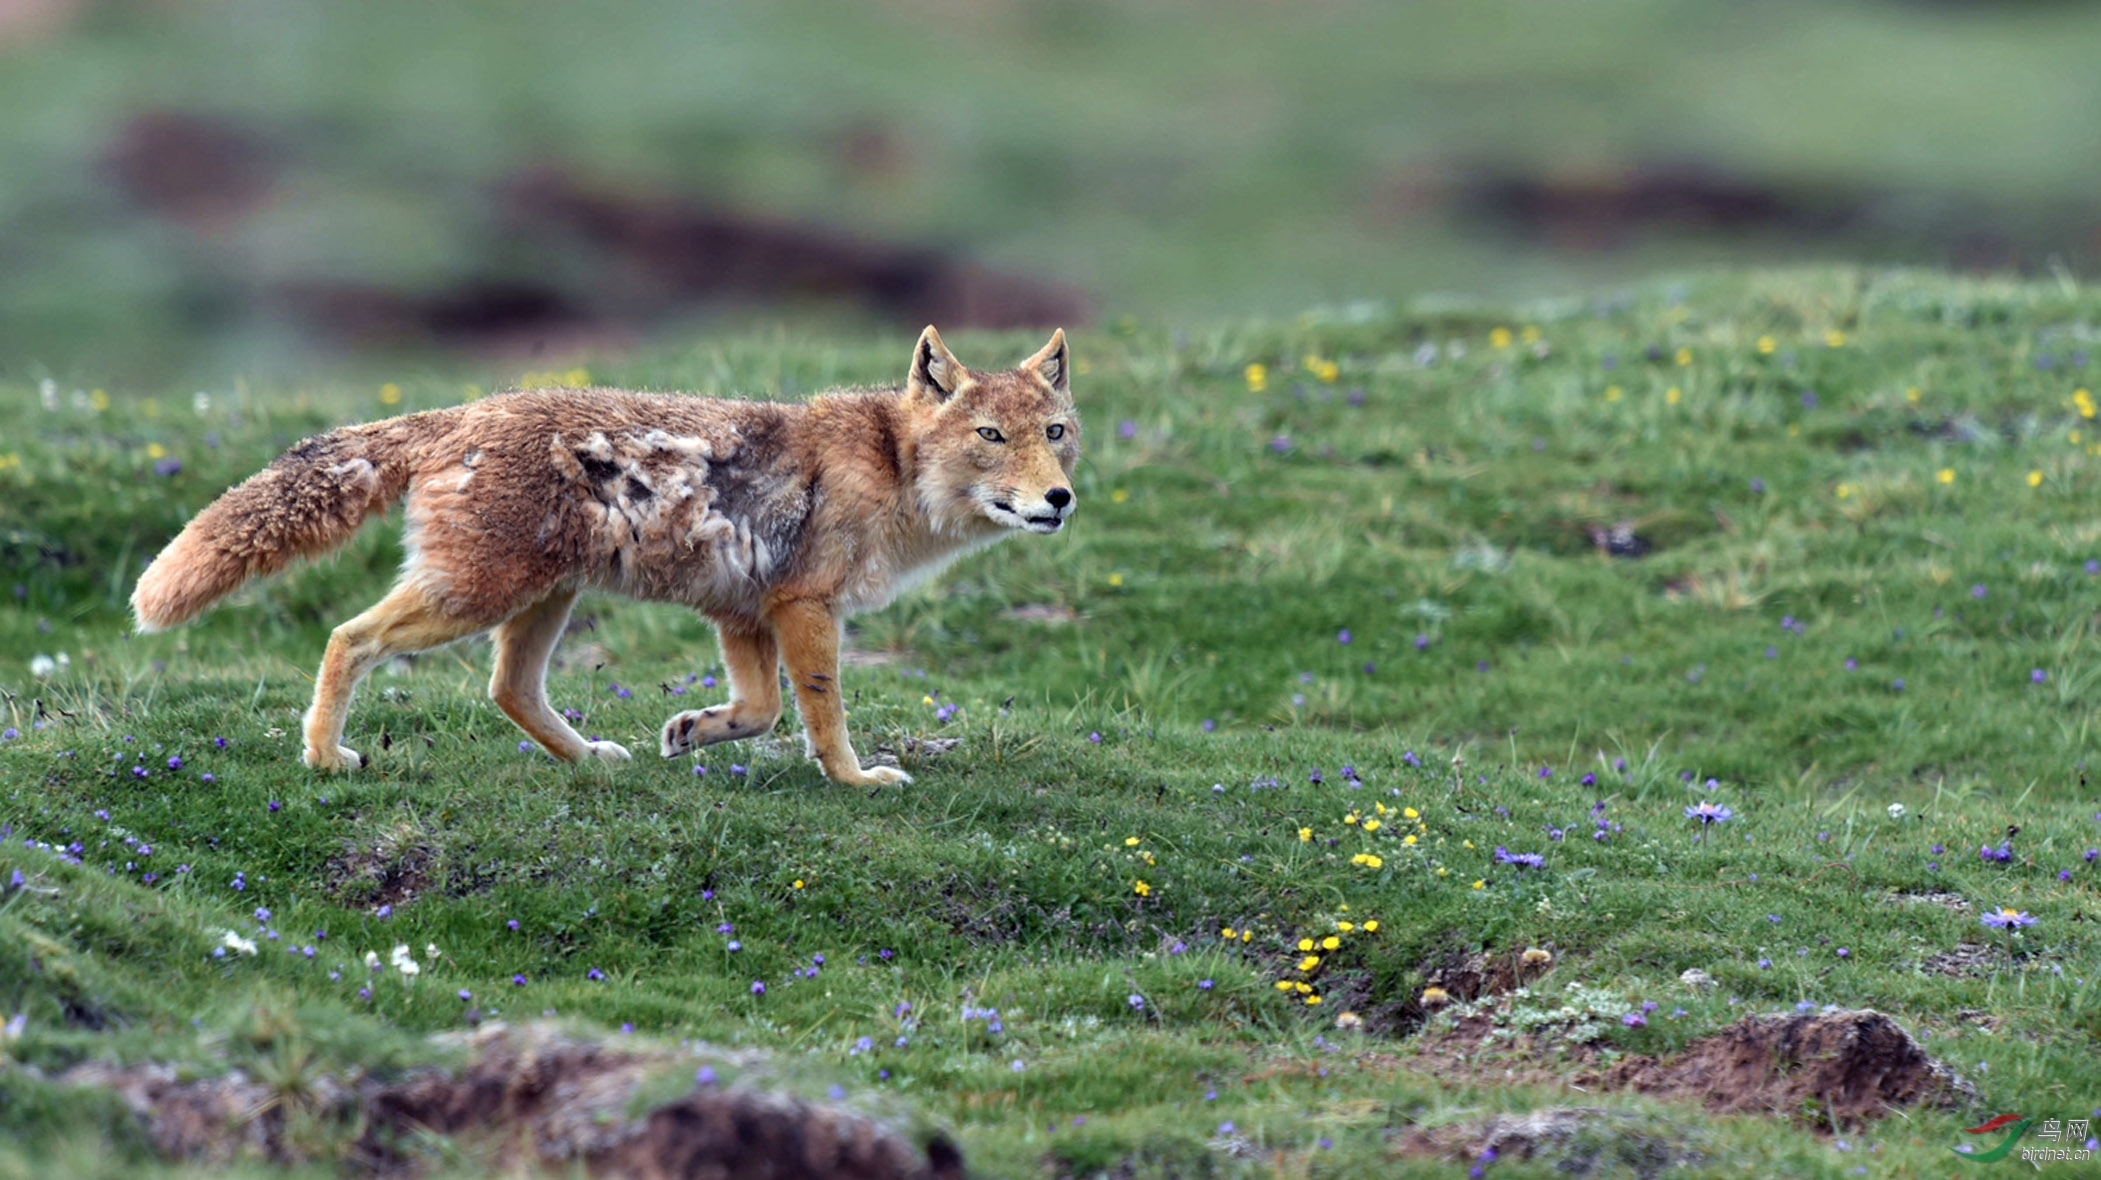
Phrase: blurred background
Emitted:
{"points": [[209, 187]]}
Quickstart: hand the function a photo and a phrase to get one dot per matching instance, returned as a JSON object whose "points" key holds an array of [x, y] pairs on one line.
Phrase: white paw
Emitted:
{"points": [[885, 775], [344, 758], [608, 751]]}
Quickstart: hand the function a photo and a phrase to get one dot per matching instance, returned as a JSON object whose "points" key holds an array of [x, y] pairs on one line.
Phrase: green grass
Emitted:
{"points": [[1226, 537]]}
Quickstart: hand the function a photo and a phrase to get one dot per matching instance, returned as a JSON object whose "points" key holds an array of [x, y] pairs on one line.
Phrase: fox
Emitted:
{"points": [[775, 521]]}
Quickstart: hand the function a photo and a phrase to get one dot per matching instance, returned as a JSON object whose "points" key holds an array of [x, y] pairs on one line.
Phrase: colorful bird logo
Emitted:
{"points": [[2015, 1122]]}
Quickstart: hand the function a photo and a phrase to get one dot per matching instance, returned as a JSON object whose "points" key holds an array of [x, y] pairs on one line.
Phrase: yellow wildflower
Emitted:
{"points": [[1283, 985], [1371, 927], [2035, 479], [1480, 884], [1499, 338], [1119, 495], [1673, 395], [1345, 927], [1410, 813], [1330, 943], [1434, 997], [1311, 1000], [1257, 377], [1371, 825], [1912, 395], [1309, 962], [1612, 393], [1228, 932], [1408, 839], [155, 450], [100, 401], [1116, 579], [1530, 335], [390, 394], [798, 882], [1141, 889], [1945, 475], [1305, 944], [1305, 834], [1766, 345], [1835, 338], [2085, 401], [1130, 841], [1684, 357], [1303, 988]]}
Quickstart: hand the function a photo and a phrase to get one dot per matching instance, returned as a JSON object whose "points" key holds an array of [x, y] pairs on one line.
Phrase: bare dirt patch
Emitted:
{"points": [[1834, 1069], [1048, 613], [1962, 961], [392, 870]]}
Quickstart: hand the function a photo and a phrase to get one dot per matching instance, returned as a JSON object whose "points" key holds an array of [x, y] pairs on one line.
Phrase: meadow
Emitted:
{"points": [[1741, 625]]}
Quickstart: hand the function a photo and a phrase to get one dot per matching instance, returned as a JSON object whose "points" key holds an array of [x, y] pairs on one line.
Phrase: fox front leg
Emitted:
{"points": [[751, 653], [809, 638]]}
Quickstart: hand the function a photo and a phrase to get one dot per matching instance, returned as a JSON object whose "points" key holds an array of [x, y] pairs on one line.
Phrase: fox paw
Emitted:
{"points": [[608, 751], [695, 728], [343, 758], [871, 776]]}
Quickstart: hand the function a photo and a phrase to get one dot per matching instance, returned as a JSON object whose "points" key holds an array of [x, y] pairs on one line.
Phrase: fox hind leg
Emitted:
{"points": [[407, 620], [752, 655], [518, 684]]}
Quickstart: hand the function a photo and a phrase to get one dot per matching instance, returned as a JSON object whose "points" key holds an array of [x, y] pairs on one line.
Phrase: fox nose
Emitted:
{"points": [[1058, 497]]}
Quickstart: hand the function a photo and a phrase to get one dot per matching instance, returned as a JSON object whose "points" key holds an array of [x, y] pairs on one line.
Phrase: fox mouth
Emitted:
{"points": [[1046, 523]]}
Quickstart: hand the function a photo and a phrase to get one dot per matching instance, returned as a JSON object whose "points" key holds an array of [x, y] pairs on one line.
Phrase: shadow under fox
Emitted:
{"points": [[773, 520]]}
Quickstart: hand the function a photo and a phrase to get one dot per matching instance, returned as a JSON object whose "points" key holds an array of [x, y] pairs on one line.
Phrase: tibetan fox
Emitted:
{"points": [[772, 520]]}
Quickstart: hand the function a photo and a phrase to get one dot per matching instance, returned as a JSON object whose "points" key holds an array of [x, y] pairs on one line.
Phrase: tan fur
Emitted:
{"points": [[773, 520]]}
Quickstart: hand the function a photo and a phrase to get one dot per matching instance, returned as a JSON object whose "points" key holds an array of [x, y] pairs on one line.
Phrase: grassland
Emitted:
{"points": [[1861, 620]]}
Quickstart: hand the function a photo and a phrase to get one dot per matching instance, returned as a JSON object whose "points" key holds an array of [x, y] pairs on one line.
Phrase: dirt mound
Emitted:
{"points": [[1847, 1067], [539, 1097], [1581, 1140]]}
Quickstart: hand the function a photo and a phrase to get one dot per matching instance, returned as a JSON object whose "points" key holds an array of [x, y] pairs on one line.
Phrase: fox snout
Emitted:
{"points": [[1045, 514]]}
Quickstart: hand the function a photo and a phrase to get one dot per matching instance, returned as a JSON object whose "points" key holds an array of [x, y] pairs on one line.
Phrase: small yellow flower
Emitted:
{"points": [[1228, 932], [1345, 927], [1371, 825], [926, 700], [2035, 479], [1305, 944], [1305, 834], [1766, 345], [1283, 985], [1434, 997], [1119, 495], [1380, 808], [1373, 862], [1330, 943], [1348, 1020], [155, 450], [1945, 475], [1303, 988], [1410, 813], [1247, 936], [390, 394], [1116, 579], [1141, 889], [100, 401], [1673, 395], [1257, 377], [1130, 841], [1350, 818], [1443, 871], [1312, 1000], [1530, 335], [1371, 927], [1480, 884], [1499, 338], [2084, 401], [1612, 393], [1835, 339], [1912, 395], [1684, 357], [1844, 490], [1408, 839], [1469, 844], [1309, 962], [798, 882]]}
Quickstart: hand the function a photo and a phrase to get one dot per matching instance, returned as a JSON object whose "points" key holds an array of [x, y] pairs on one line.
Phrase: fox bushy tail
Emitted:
{"points": [[305, 503]]}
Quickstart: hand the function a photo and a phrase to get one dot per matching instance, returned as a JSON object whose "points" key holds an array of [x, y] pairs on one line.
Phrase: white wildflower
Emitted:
{"points": [[409, 967], [234, 942], [431, 949], [47, 392], [201, 402], [371, 960], [401, 952], [41, 665], [1896, 811]]}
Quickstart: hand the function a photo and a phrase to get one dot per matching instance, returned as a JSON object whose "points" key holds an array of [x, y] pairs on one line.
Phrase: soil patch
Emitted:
{"points": [[1839, 1069]]}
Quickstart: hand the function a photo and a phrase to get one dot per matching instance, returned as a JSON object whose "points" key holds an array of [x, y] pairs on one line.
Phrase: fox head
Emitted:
{"points": [[996, 447]]}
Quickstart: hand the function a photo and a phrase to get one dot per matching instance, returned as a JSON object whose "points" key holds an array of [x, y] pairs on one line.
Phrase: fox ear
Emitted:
{"points": [[1052, 363], [935, 370]]}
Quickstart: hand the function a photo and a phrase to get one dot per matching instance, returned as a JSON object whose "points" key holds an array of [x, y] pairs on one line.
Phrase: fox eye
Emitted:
{"points": [[991, 435], [1056, 432]]}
